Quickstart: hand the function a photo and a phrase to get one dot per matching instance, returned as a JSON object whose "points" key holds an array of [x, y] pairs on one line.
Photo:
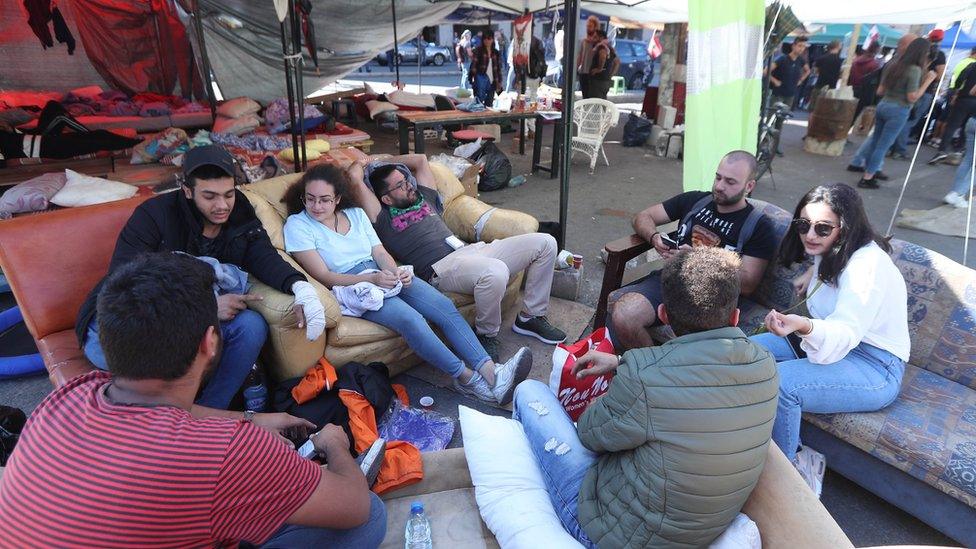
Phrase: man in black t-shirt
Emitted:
{"points": [[827, 69], [722, 218]]}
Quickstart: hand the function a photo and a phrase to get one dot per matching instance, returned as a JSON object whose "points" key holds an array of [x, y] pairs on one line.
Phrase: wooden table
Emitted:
{"points": [[426, 119]]}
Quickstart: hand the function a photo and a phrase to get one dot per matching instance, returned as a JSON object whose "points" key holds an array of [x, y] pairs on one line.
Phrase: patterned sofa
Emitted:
{"points": [[919, 454]]}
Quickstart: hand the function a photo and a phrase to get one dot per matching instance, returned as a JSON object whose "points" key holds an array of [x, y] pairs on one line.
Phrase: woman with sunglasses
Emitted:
{"points": [[849, 354], [335, 243]]}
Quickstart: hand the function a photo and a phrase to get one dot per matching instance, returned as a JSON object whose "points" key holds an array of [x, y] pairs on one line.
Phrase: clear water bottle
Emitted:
{"points": [[255, 391], [417, 534]]}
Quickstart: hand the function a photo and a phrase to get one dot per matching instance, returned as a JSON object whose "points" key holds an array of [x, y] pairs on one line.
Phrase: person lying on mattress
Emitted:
{"points": [[59, 135], [670, 453]]}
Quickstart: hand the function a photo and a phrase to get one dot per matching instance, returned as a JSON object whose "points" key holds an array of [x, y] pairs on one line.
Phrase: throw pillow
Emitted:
{"points": [[33, 195], [377, 108], [508, 484], [236, 126], [85, 190], [238, 107]]}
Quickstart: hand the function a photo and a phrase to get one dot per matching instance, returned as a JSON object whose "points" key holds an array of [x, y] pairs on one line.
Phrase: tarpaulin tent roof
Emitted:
{"points": [[839, 31], [964, 41]]}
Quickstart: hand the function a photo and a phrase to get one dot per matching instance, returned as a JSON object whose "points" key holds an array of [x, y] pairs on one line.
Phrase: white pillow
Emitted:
{"points": [[377, 108], [741, 534], [238, 107], [408, 99], [85, 190], [508, 484]]}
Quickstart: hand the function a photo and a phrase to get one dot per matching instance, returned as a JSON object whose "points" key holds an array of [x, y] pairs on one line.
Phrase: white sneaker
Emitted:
{"points": [[954, 199], [811, 465], [477, 387], [510, 374]]}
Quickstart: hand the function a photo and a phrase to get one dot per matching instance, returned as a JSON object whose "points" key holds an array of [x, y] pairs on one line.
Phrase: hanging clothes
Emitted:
{"points": [[39, 14], [304, 8]]}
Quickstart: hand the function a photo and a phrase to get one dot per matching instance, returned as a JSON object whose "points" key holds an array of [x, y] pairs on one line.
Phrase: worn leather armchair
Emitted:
{"points": [[354, 339]]}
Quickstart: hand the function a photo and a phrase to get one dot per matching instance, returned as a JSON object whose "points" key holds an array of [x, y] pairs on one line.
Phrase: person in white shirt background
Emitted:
{"points": [[334, 241], [849, 354]]}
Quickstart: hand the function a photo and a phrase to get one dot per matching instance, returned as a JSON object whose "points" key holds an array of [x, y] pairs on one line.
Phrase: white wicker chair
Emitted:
{"points": [[593, 119]]}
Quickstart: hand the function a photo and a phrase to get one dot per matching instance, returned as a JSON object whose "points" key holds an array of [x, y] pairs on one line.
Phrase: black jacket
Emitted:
{"points": [[171, 223]]}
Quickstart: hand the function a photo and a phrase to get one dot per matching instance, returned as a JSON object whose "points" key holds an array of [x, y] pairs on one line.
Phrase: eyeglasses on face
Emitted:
{"points": [[315, 200], [820, 228], [403, 183]]}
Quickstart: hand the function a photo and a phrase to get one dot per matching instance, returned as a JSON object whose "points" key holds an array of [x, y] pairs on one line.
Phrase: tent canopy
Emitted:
{"points": [[965, 41], [840, 31]]}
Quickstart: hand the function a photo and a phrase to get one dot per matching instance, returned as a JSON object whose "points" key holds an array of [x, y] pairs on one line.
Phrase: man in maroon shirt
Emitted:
{"points": [[127, 459]]}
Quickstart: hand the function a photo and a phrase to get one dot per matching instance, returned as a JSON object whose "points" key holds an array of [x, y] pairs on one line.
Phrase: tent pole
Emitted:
{"points": [[396, 47], [421, 54], [851, 48], [296, 36], [286, 54], [208, 76], [571, 10]]}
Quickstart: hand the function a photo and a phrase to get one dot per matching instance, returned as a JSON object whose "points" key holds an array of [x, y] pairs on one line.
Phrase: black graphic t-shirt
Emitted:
{"points": [[708, 227]]}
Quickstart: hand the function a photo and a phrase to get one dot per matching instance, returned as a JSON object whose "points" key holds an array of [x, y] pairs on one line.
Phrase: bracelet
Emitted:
{"points": [[248, 416], [651, 239]]}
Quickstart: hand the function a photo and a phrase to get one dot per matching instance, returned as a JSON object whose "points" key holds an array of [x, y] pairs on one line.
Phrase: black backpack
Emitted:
{"points": [[12, 422]]}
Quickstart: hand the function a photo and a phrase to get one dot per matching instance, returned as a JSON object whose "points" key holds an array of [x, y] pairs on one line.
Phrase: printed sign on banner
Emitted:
{"points": [[522, 39]]}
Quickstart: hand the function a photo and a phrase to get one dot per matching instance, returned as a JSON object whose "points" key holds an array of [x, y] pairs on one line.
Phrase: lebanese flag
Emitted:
{"points": [[654, 48], [873, 35]]}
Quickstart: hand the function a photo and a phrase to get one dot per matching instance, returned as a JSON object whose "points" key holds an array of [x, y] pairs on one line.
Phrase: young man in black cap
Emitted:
{"points": [[210, 218]]}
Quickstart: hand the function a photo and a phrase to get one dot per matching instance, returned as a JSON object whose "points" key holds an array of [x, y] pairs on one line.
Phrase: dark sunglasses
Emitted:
{"points": [[821, 228]]}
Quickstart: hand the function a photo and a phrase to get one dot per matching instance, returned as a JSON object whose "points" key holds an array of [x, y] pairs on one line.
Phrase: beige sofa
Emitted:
{"points": [[787, 512], [350, 339]]}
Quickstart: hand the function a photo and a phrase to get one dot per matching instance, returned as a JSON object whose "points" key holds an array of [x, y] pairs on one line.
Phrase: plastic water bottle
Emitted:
{"points": [[255, 391], [417, 534]]}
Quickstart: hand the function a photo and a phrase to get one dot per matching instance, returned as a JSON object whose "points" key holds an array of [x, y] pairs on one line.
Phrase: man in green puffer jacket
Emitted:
{"points": [[671, 452]]}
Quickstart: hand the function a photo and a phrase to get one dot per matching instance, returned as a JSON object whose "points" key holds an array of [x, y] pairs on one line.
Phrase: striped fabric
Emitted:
{"points": [[90, 473]]}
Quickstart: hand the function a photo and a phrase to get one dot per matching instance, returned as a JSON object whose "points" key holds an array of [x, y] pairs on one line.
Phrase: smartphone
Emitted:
{"points": [[307, 450], [669, 242]]}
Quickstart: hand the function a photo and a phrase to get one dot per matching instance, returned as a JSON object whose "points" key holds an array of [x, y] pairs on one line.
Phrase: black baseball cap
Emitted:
{"points": [[208, 155]]}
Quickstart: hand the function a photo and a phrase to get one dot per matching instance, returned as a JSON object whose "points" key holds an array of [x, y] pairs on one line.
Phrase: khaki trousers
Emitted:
{"points": [[484, 270]]}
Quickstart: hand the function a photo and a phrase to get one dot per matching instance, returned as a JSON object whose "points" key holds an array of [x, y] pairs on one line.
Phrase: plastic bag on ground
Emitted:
{"points": [[496, 167], [429, 431], [637, 130], [458, 165], [468, 149]]}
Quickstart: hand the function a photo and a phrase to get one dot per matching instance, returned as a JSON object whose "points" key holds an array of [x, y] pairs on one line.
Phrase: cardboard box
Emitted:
{"points": [[469, 180]]}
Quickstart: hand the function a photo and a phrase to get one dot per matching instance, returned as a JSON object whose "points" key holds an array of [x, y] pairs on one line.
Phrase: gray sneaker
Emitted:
{"points": [[477, 387], [510, 374], [539, 328], [490, 343]]}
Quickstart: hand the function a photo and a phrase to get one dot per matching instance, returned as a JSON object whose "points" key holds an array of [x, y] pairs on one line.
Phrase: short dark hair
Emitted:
{"points": [[874, 48], [799, 39], [700, 289], [748, 158], [378, 177], [294, 197], [855, 230], [833, 44], [152, 314], [207, 172]]}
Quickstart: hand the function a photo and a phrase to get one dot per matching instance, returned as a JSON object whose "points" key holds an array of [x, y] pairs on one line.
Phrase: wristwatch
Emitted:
{"points": [[249, 416]]}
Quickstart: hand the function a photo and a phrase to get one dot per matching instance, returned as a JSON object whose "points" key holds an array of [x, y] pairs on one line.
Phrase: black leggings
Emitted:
{"points": [[62, 136]]}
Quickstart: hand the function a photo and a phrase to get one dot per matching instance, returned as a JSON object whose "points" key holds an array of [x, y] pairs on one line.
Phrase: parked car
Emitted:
{"points": [[635, 63], [435, 55]]}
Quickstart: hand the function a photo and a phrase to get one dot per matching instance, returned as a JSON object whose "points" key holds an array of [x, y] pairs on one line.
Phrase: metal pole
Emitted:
{"points": [[296, 35], [208, 76], [396, 47], [286, 53], [571, 10], [421, 59]]}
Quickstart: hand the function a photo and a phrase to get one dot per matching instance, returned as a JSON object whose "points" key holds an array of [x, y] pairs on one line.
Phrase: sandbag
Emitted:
{"points": [[637, 130], [496, 167]]}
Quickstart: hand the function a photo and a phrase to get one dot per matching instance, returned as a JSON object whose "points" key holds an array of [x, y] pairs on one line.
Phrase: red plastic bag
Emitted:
{"points": [[576, 394]]}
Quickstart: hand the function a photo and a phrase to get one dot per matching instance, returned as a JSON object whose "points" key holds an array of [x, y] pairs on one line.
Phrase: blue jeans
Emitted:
{"points": [[563, 474], [368, 535], [242, 337], [889, 119], [920, 111], [465, 85], [407, 314], [961, 184], [484, 89], [866, 380]]}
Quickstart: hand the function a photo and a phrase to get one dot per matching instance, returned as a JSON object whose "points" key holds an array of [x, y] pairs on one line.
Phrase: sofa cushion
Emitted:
{"points": [[269, 217], [941, 312], [448, 185], [929, 432], [272, 190]]}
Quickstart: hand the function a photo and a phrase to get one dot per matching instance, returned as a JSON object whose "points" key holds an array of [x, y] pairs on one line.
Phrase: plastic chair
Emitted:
{"points": [[593, 118], [618, 86]]}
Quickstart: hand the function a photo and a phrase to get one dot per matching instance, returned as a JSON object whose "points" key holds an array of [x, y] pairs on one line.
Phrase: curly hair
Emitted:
{"points": [[294, 197], [700, 289]]}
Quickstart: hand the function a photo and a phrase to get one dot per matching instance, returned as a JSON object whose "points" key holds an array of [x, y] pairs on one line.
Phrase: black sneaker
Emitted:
{"points": [[868, 184], [899, 156], [490, 343], [881, 176], [939, 157], [371, 460], [853, 168], [539, 328]]}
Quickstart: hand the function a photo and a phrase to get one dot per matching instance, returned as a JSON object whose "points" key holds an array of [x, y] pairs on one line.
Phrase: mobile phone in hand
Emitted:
{"points": [[669, 242]]}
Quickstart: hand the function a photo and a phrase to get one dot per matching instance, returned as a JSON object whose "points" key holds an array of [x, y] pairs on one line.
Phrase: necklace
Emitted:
{"points": [[337, 222]]}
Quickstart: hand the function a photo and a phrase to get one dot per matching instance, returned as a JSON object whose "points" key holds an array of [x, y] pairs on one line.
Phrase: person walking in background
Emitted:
{"points": [[936, 63], [486, 71], [602, 67], [584, 59], [864, 64], [827, 69], [900, 89], [962, 106], [959, 195], [787, 71], [462, 51]]}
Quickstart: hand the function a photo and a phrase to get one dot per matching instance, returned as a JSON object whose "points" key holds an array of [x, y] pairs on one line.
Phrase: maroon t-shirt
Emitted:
{"points": [[90, 473]]}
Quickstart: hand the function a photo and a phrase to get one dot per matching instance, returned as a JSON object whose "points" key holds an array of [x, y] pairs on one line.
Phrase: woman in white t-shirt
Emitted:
{"points": [[335, 243], [849, 355]]}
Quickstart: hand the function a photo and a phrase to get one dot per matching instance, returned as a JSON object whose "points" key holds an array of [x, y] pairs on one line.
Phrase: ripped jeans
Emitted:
{"points": [[566, 461]]}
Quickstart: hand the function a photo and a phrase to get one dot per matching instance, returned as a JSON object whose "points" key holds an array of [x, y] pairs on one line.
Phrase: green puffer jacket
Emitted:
{"points": [[683, 433]]}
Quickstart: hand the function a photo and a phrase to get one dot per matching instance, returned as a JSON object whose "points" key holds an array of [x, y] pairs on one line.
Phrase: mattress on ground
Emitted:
{"points": [[143, 124]]}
